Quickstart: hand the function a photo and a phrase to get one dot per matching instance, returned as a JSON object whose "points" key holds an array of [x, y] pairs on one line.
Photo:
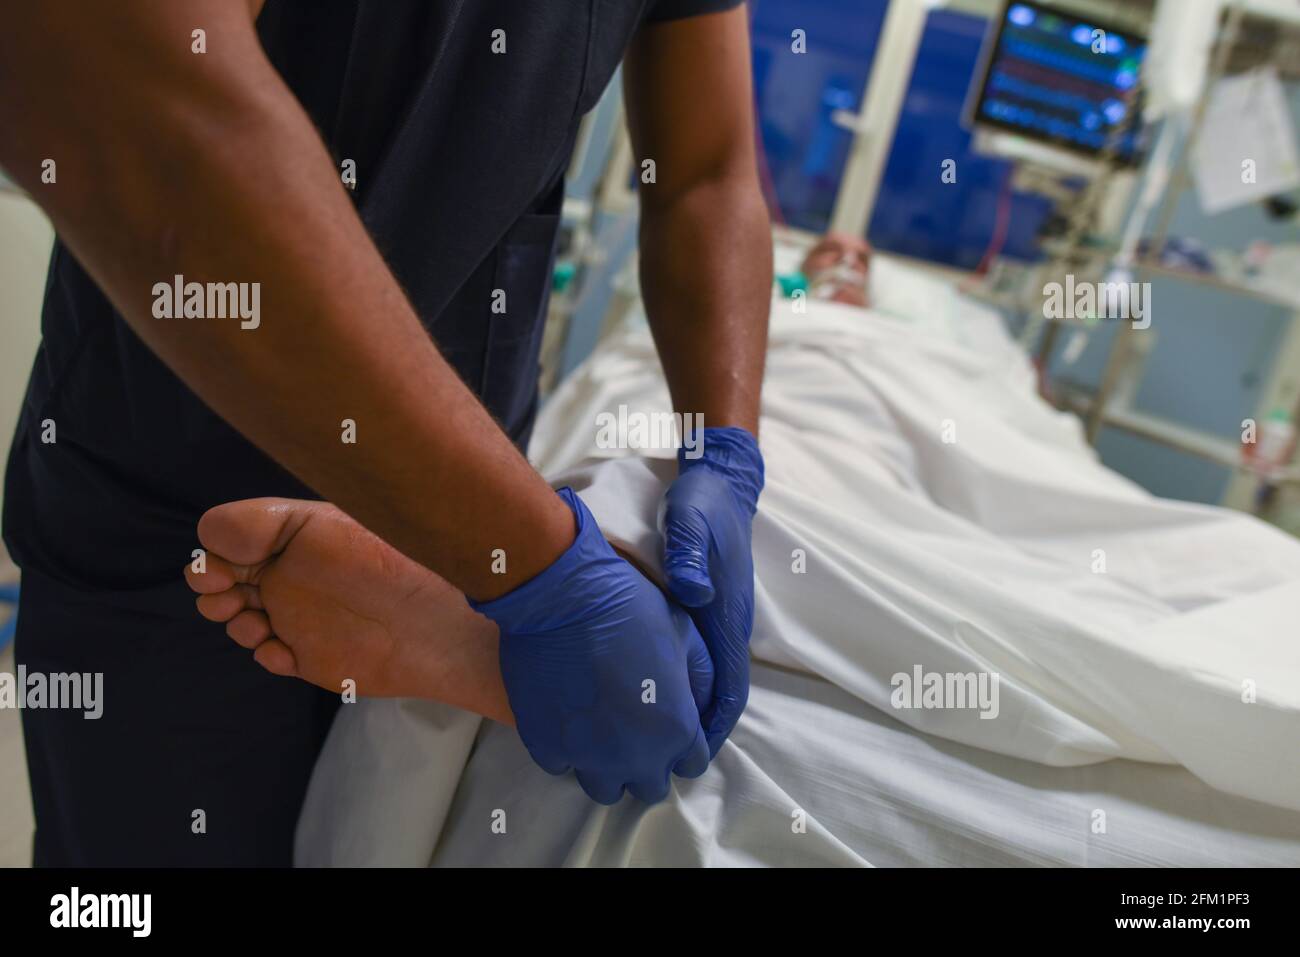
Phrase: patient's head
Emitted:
{"points": [[837, 267]]}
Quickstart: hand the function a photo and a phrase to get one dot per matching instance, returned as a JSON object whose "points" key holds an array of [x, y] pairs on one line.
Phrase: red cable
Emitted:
{"points": [[1002, 226]]}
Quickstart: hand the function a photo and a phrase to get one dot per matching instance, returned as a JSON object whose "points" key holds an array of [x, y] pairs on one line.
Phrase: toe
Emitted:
{"points": [[253, 530], [249, 628], [229, 603], [218, 576], [275, 656]]}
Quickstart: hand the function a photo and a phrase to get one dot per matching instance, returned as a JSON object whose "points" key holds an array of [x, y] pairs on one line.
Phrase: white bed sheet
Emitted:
{"points": [[874, 792], [968, 556]]}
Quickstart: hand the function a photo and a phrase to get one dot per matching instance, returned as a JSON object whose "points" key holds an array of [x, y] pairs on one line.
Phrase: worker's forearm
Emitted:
{"points": [[706, 274], [225, 181]]}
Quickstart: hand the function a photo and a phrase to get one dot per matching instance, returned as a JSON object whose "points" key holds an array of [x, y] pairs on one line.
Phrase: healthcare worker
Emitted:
{"points": [[381, 184]]}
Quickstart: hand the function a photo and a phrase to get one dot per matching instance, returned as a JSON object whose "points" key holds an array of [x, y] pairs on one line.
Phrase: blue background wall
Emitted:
{"points": [[916, 214], [797, 93], [919, 215]]}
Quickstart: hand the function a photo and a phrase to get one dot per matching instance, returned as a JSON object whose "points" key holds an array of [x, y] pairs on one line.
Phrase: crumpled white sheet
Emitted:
{"points": [[959, 556], [868, 791]]}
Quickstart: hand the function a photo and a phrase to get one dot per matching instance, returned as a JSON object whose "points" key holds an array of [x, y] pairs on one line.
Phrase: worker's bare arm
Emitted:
{"points": [[171, 162], [706, 241]]}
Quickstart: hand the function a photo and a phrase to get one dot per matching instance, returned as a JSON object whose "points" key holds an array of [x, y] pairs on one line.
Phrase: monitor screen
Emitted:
{"points": [[1062, 79]]}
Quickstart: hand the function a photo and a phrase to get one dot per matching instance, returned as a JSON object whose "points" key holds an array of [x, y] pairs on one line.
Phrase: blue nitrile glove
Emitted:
{"points": [[708, 518], [579, 645]]}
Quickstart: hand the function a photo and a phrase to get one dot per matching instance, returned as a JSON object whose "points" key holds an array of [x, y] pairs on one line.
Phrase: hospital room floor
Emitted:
{"points": [[15, 801]]}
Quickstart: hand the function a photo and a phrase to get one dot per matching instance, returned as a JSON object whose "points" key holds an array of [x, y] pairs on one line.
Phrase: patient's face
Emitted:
{"points": [[837, 269]]}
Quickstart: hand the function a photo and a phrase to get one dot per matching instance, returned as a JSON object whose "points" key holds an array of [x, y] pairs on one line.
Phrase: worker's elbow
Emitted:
{"points": [[723, 190]]}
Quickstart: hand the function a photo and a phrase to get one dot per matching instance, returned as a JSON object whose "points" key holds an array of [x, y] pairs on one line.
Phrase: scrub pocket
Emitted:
{"points": [[511, 367]]}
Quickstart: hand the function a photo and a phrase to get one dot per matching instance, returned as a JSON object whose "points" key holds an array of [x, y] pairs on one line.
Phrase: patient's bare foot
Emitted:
{"points": [[320, 598]]}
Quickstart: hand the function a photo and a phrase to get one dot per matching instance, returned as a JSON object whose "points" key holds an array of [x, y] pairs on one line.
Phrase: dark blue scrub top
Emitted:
{"points": [[460, 154]]}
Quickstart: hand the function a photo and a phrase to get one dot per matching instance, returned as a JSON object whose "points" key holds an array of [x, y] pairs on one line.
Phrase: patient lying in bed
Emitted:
{"points": [[837, 269]]}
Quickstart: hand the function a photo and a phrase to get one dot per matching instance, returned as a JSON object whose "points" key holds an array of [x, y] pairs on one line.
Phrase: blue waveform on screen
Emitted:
{"points": [[1062, 100], [1090, 134], [1099, 68]]}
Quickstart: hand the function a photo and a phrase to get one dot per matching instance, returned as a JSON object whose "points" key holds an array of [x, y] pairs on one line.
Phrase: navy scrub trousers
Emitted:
{"points": [[459, 154]]}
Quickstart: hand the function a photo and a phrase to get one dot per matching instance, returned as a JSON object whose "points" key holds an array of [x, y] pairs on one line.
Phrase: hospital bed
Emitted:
{"points": [[1123, 735], [872, 792]]}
